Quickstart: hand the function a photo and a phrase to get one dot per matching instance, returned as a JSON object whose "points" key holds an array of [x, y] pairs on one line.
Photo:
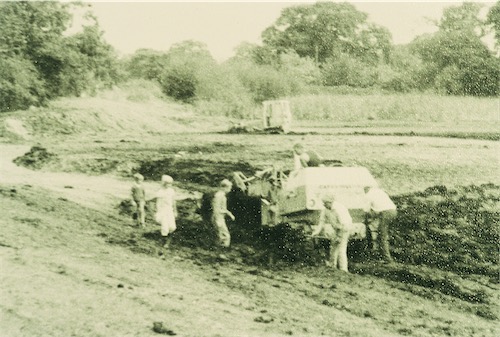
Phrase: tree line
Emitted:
{"points": [[310, 48]]}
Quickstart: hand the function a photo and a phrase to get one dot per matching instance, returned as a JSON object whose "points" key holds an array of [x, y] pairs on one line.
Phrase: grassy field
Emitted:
{"points": [[395, 107]]}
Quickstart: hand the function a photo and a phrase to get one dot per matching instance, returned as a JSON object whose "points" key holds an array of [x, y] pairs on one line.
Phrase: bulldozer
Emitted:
{"points": [[276, 116], [276, 119]]}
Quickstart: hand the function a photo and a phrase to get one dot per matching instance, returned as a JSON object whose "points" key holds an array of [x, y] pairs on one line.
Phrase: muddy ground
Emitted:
{"points": [[445, 242]]}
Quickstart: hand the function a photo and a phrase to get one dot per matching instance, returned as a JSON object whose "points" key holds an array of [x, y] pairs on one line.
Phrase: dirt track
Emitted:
{"points": [[97, 192]]}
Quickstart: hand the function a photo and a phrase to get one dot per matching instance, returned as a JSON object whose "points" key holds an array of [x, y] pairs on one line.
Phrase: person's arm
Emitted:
{"points": [[158, 199], [226, 211], [321, 224], [304, 160], [134, 204], [297, 163], [220, 206]]}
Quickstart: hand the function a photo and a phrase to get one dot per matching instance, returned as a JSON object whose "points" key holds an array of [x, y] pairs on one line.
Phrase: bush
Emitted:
{"points": [[448, 81], [346, 70], [264, 82], [219, 92], [20, 85], [179, 81]]}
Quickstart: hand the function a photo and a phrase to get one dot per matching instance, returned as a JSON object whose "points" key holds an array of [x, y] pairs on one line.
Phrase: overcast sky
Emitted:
{"points": [[222, 26]]}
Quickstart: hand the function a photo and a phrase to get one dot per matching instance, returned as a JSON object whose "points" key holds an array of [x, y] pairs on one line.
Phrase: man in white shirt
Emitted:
{"points": [[382, 212], [333, 224]]}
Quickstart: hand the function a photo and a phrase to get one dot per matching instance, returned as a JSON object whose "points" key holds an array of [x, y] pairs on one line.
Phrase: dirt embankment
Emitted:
{"points": [[444, 241]]}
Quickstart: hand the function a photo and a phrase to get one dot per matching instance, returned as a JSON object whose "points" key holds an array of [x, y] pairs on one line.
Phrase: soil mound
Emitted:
{"points": [[35, 158], [204, 173], [133, 106], [16, 127], [455, 230]]}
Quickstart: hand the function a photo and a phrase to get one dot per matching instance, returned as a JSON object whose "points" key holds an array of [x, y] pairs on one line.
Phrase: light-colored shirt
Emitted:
{"points": [[333, 222], [297, 164], [342, 213], [219, 203], [138, 193], [165, 198], [379, 201]]}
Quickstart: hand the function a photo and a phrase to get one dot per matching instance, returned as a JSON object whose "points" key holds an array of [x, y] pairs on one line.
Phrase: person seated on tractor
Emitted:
{"points": [[305, 158], [333, 224]]}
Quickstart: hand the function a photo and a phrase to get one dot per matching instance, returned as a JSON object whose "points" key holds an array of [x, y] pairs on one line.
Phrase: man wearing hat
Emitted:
{"points": [[166, 208], [219, 207], [333, 224]]}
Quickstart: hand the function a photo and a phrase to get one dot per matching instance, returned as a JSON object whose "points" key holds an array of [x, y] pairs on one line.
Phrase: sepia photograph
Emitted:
{"points": [[250, 168]]}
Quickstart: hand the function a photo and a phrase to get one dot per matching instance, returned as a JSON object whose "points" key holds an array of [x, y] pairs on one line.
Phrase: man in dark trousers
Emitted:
{"points": [[382, 212]]}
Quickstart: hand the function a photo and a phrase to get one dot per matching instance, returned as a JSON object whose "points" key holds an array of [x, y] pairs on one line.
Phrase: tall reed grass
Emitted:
{"points": [[403, 107]]}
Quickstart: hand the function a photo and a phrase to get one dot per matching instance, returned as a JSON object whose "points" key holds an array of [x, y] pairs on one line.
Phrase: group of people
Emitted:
{"points": [[335, 222], [166, 208]]}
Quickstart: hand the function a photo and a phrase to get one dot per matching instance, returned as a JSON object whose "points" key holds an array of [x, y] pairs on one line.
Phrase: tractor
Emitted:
{"points": [[279, 209], [296, 197], [276, 210]]}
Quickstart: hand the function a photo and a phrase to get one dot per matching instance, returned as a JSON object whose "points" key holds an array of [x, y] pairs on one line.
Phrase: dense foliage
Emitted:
{"points": [[38, 62], [311, 48]]}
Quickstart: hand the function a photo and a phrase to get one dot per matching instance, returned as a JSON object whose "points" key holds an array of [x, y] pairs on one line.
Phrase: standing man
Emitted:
{"points": [[166, 209], [334, 222], [382, 212], [219, 207], [303, 158]]}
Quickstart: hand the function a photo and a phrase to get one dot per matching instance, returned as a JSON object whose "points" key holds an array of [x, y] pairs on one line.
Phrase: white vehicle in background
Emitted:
{"points": [[276, 119], [277, 116]]}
